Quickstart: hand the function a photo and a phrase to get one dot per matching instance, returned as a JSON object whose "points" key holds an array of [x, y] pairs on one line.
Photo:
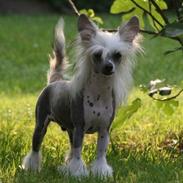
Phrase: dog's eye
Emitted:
{"points": [[97, 55], [116, 55]]}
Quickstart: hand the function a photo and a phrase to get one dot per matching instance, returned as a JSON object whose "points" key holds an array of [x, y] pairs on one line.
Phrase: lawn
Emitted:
{"points": [[147, 148]]}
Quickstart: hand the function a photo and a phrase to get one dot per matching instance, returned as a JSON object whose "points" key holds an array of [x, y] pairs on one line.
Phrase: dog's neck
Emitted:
{"points": [[99, 103], [99, 83]]}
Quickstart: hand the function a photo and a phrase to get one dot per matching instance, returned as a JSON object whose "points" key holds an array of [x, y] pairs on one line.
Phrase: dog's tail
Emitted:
{"points": [[55, 72]]}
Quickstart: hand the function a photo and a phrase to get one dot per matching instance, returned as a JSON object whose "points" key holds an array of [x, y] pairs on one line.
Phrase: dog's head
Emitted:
{"points": [[105, 50]]}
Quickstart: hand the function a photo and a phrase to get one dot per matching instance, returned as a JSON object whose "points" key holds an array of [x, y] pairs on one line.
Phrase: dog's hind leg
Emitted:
{"points": [[33, 160], [76, 166], [68, 156]]}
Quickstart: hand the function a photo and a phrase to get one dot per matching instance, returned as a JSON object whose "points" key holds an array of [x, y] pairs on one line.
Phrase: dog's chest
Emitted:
{"points": [[98, 105]]}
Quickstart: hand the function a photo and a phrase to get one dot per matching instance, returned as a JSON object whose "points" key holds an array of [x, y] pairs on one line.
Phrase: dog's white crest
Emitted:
{"points": [[107, 42], [91, 39]]}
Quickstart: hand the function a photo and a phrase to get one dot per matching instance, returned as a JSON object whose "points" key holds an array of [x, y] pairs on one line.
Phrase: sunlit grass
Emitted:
{"points": [[137, 154], [146, 148]]}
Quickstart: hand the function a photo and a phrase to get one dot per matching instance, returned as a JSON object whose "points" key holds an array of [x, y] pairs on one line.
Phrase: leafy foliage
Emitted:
{"points": [[90, 13], [174, 29], [126, 112], [159, 88], [121, 6], [168, 107], [153, 11]]}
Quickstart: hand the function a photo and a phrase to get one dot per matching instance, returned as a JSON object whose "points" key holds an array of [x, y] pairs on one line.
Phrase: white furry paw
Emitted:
{"points": [[32, 161], [101, 168], [75, 167], [68, 157]]}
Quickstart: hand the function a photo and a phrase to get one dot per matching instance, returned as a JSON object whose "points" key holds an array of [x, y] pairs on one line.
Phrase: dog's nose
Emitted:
{"points": [[108, 68]]}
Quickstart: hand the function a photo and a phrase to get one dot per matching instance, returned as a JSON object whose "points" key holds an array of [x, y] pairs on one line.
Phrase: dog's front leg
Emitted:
{"points": [[100, 166], [76, 166]]}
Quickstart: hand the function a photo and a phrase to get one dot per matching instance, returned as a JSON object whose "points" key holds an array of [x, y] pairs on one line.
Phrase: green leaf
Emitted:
{"points": [[143, 3], [162, 4], [91, 14], [168, 107], [119, 6], [126, 112], [173, 30], [136, 12], [174, 103], [83, 11], [158, 17], [98, 20]]}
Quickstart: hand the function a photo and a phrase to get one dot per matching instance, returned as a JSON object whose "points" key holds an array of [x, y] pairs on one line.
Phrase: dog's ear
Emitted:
{"points": [[128, 31], [86, 28]]}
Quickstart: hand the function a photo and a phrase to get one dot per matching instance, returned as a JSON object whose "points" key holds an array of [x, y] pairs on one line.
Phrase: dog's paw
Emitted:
{"points": [[75, 167], [32, 161], [101, 168], [68, 157]]}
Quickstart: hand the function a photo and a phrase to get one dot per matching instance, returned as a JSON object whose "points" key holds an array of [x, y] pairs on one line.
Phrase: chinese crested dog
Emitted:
{"points": [[88, 102]]}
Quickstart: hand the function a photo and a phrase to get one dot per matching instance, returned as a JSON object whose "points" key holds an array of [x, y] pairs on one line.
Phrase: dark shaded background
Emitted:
{"points": [[53, 6], [58, 6]]}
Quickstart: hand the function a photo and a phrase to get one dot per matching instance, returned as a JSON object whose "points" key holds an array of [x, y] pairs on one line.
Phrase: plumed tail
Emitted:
{"points": [[55, 72]]}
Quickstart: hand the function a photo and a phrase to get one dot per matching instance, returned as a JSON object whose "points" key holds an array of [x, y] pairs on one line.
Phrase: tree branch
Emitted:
{"points": [[149, 32], [136, 4], [74, 7], [150, 9], [167, 99], [177, 39], [177, 10], [143, 31], [174, 50], [160, 11]]}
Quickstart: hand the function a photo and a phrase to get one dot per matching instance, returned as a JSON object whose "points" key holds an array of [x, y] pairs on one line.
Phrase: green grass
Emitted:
{"points": [[147, 147]]}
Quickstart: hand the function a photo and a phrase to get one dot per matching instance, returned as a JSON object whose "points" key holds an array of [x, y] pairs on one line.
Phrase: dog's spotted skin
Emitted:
{"points": [[98, 94]]}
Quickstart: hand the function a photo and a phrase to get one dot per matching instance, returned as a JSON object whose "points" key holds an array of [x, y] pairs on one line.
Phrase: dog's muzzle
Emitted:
{"points": [[108, 69]]}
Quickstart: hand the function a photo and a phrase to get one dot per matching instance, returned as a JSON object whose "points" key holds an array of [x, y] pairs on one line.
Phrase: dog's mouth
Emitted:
{"points": [[105, 73], [108, 73]]}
